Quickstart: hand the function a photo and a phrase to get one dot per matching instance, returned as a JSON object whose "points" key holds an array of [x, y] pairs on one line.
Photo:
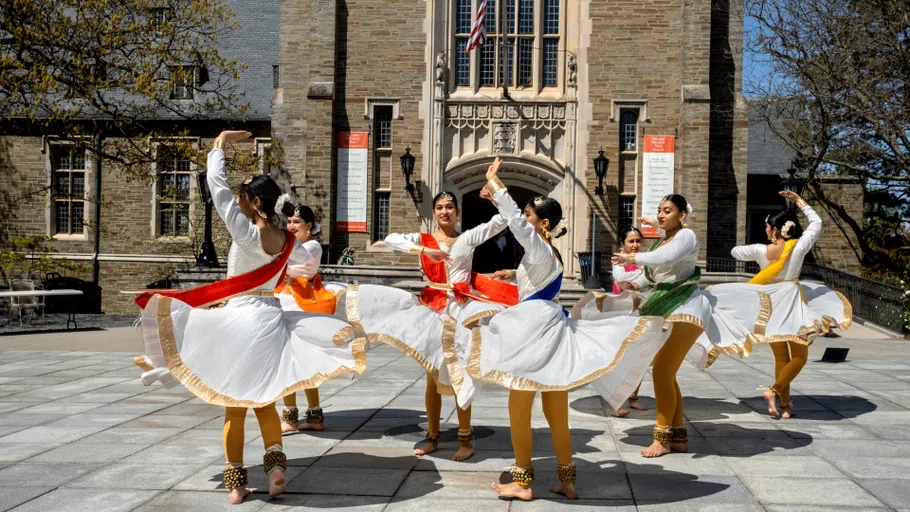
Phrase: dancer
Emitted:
{"points": [[534, 346], [671, 274], [249, 352], [800, 311], [429, 327], [302, 290]]}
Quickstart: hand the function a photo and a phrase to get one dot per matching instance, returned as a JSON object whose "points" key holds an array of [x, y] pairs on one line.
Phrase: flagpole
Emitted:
{"points": [[502, 46]]}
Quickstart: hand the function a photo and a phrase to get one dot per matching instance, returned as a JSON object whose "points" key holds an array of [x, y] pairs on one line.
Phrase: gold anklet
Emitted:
{"points": [[663, 435], [290, 416], [522, 476], [680, 435], [274, 458], [235, 477], [465, 435], [566, 473], [314, 416]]}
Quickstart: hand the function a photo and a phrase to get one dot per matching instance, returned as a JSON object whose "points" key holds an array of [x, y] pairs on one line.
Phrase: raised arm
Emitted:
{"points": [[621, 275], [480, 234], [811, 233], [536, 249], [750, 252], [237, 224], [404, 242], [682, 244]]}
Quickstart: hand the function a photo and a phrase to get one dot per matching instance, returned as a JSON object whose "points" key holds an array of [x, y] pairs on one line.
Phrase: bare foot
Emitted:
{"points": [[566, 489], [288, 427], [513, 490], [465, 452], [428, 448], [315, 427], [621, 413], [679, 447], [655, 450], [770, 397], [633, 404], [786, 415], [237, 495], [277, 484]]}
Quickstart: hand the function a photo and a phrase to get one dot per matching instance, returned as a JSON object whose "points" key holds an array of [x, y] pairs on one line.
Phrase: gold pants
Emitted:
{"points": [[666, 363], [789, 359], [433, 401], [556, 410], [312, 398], [269, 425]]}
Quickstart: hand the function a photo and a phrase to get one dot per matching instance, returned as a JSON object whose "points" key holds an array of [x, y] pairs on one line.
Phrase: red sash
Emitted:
{"points": [[309, 294], [226, 288], [436, 297]]}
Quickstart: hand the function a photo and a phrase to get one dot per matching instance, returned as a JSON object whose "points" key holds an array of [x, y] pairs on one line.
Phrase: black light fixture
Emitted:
{"points": [[407, 167], [793, 183], [207, 257], [601, 164]]}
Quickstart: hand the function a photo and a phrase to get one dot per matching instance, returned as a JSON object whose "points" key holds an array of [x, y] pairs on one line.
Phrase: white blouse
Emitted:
{"points": [[621, 275], [304, 260], [759, 252], [246, 252], [462, 250], [539, 266], [672, 262]]}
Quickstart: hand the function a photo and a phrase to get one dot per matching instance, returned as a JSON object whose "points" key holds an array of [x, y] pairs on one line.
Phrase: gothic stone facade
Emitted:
{"points": [[581, 75]]}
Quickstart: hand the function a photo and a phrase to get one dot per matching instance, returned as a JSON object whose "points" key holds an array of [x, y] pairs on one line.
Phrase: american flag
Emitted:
{"points": [[478, 29]]}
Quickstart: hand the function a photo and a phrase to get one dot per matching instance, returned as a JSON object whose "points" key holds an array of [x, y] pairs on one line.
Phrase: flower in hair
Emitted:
{"points": [[283, 199], [785, 231]]}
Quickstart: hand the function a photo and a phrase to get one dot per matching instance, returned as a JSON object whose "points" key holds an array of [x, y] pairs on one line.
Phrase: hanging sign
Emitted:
{"points": [[351, 199], [657, 176]]}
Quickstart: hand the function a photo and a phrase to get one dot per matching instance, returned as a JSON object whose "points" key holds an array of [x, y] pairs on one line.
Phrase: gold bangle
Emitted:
{"points": [[416, 249], [495, 185], [219, 143], [632, 258]]}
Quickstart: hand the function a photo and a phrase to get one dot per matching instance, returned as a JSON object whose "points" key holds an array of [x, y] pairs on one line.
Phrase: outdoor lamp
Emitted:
{"points": [[601, 164], [407, 167], [793, 183]]}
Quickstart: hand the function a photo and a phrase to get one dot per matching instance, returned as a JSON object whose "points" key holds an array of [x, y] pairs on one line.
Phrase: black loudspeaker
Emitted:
{"points": [[835, 355]]}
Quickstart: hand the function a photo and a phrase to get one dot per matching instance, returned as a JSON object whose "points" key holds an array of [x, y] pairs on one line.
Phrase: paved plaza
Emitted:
{"points": [[79, 432]]}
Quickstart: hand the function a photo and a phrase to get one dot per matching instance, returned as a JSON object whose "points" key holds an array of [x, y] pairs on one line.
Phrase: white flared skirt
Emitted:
{"points": [[729, 319], [438, 341], [799, 310], [248, 353], [534, 346]]}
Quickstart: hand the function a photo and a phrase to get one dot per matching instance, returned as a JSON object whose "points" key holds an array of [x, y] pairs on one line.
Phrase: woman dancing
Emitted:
{"points": [[249, 352], [429, 328], [302, 290], [671, 277], [800, 311], [534, 346]]}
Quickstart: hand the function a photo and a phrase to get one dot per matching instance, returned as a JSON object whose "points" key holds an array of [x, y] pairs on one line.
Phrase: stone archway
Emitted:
{"points": [[502, 251]]}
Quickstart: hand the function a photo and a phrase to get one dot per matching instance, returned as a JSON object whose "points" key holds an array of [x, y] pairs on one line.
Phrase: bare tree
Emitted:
{"points": [[835, 90]]}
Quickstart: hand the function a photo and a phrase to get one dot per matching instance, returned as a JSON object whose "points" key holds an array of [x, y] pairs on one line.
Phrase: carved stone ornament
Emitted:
{"points": [[441, 67], [572, 65], [504, 138]]}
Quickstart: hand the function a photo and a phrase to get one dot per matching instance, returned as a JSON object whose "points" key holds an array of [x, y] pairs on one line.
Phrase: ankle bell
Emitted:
{"points": [[522, 476], [274, 458], [314, 416], [680, 435], [566, 473], [663, 435], [235, 477], [290, 416], [465, 435]]}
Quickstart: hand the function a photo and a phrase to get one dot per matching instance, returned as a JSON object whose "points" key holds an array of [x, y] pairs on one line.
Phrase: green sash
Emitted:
{"points": [[666, 297]]}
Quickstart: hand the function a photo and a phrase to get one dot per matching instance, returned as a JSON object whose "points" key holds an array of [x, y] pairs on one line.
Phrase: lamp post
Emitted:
{"points": [[207, 256], [601, 164], [407, 167], [793, 183]]}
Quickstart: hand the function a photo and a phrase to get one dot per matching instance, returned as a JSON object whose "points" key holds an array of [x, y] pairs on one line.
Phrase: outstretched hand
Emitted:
{"points": [[620, 258], [493, 169], [647, 221], [793, 197], [234, 135], [485, 194], [437, 255]]}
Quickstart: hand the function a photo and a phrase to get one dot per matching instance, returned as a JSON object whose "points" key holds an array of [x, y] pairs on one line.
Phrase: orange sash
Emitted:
{"points": [[435, 296], [230, 287], [309, 294]]}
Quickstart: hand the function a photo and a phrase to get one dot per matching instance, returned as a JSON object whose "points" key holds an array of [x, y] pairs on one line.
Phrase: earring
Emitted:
{"points": [[261, 214]]}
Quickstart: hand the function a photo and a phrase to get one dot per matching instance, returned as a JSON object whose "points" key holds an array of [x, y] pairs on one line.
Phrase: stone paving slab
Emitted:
{"points": [[78, 432]]}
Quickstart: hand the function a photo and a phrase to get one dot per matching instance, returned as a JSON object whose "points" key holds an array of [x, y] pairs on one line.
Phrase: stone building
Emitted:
{"points": [[574, 77], [556, 82]]}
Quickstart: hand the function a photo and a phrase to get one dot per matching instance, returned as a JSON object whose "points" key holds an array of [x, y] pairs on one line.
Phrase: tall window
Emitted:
{"points": [[381, 224], [184, 82], [626, 213], [628, 130], [173, 193], [68, 174], [275, 81], [382, 126], [530, 55]]}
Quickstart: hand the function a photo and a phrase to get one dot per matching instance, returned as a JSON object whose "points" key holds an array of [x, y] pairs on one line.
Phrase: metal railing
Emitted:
{"points": [[876, 302]]}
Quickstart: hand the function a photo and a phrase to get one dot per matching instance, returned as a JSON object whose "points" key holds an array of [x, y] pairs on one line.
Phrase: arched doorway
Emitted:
{"points": [[500, 252]]}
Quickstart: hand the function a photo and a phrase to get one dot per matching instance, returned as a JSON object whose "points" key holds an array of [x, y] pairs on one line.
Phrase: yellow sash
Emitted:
{"points": [[768, 273]]}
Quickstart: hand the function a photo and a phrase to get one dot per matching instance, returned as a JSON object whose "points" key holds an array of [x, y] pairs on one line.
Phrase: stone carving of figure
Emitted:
{"points": [[441, 66], [573, 67]]}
